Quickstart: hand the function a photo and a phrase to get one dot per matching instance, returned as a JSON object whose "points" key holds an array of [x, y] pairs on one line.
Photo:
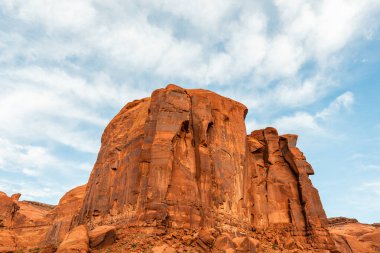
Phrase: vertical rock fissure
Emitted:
{"points": [[267, 168], [290, 213], [197, 157], [210, 127], [299, 188], [178, 138], [303, 205], [145, 158]]}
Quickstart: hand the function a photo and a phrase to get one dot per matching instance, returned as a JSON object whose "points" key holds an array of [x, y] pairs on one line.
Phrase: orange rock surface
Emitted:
{"points": [[182, 159], [76, 240], [177, 172], [32, 225], [351, 236]]}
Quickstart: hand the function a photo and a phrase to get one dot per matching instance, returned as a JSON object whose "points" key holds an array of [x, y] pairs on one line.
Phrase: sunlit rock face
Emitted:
{"points": [[182, 159], [351, 236], [31, 225]]}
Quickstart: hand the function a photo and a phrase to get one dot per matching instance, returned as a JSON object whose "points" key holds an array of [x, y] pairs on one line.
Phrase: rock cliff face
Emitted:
{"points": [[180, 168], [182, 159]]}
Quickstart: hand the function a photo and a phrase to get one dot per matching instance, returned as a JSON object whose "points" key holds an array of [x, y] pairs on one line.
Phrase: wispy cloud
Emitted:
{"points": [[29, 159], [57, 106], [31, 191], [301, 121], [373, 186], [231, 41], [370, 191], [343, 102], [37, 170], [369, 167]]}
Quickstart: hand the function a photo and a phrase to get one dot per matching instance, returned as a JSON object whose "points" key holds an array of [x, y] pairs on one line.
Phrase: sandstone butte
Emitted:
{"points": [[177, 172]]}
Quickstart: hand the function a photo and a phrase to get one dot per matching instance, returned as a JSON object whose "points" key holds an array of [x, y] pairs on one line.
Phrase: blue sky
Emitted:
{"points": [[305, 67]]}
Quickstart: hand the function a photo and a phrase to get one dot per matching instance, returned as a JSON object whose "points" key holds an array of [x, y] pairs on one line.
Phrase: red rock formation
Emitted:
{"points": [[351, 236], [62, 215], [102, 236], [180, 164], [28, 225], [181, 159], [282, 194], [76, 240], [23, 224]]}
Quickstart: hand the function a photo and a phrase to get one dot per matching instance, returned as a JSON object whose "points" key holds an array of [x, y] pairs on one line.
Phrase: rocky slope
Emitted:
{"points": [[33, 225], [177, 172], [351, 236]]}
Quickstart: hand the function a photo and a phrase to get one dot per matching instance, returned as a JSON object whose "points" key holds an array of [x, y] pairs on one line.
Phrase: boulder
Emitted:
{"points": [[223, 242], [243, 244], [163, 249], [207, 236], [76, 240], [102, 236]]}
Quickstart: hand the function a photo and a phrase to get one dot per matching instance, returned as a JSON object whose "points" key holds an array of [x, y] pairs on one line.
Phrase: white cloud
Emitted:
{"points": [[125, 35], [285, 57], [324, 27], [30, 172], [40, 173], [371, 188], [344, 101], [356, 156], [293, 94], [339, 21], [370, 167], [57, 106], [30, 192], [69, 14], [203, 15], [245, 49], [22, 157], [302, 122]]}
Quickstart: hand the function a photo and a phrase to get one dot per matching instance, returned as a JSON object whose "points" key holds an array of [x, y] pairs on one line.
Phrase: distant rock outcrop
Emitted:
{"points": [[33, 225], [23, 224], [177, 172], [351, 236]]}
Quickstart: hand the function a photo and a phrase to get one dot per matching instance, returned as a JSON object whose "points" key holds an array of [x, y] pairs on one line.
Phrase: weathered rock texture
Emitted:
{"points": [[351, 236], [179, 167], [76, 240], [23, 224], [32, 225], [182, 159], [102, 236]]}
